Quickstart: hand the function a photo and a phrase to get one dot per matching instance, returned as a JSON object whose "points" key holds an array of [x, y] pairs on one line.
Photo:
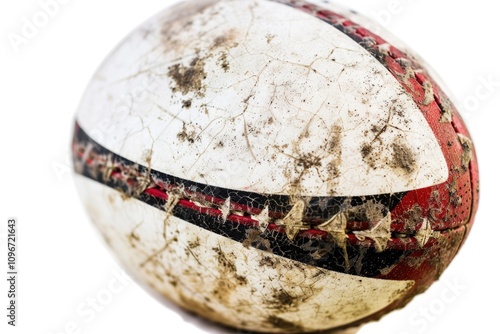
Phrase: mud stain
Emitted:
{"points": [[188, 134], [189, 79], [229, 281], [285, 325], [223, 61], [402, 157]]}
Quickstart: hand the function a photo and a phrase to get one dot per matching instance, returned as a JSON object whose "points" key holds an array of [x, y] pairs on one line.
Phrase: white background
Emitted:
{"points": [[63, 264]]}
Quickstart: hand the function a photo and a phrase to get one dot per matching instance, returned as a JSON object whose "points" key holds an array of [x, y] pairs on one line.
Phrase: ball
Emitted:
{"points": [[279, 166]]}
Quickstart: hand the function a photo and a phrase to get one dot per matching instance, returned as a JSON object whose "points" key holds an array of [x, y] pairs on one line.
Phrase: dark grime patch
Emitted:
{"points": [[283, 324], [189, 79], [402, 157]]}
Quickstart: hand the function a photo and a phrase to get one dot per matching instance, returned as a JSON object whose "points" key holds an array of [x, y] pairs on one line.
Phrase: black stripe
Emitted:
{"points": [[319, 209], [323, 253]]}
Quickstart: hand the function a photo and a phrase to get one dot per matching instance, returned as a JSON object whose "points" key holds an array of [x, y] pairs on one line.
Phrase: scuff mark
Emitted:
{"points": [[155, 254]]}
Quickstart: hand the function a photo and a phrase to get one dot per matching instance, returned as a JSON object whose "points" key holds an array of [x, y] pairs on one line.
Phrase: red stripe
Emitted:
{"points": [[450, 216]]}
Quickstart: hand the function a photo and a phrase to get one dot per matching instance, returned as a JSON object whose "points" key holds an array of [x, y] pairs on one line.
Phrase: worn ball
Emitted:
{"points": [[278, 166]]}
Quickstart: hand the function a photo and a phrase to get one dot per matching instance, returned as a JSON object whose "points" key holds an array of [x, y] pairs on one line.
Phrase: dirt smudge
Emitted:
{"points": [[189, 79], [285, 325], [403, 157]]}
